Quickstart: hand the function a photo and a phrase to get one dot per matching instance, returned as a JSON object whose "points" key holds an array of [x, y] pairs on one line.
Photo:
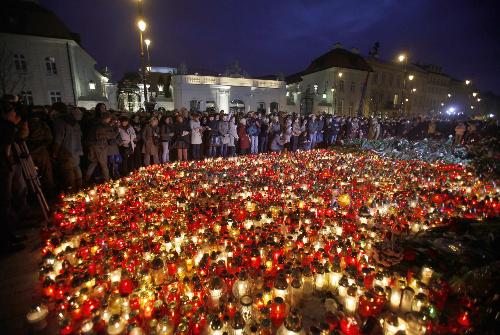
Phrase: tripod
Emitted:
{"points": [[31, 176]]}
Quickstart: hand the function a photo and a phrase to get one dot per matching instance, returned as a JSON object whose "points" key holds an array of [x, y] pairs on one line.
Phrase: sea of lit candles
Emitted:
{"points": [[240, 245]]}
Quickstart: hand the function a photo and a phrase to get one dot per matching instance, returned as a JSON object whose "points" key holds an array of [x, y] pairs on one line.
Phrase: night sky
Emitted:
{"points": [[273, 36]]}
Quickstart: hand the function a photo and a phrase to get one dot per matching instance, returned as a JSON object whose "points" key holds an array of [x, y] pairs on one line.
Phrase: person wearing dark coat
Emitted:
{"points": [[182, 137]]}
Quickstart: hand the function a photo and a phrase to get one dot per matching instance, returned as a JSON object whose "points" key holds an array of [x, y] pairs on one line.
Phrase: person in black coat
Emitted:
{"points": [[182, 131]]}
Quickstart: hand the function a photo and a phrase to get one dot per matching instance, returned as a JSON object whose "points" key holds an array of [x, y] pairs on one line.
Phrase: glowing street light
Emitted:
{"points": [[141, 24], [414, 90], [471, 107], [401, 58], [449, 95], [474, 94], [467, 82], [478, 99], [147, 41], [340, 74], [411, 77], [442, 104]]}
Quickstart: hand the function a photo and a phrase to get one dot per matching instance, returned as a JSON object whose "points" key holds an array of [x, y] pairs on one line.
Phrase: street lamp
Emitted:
{"points": [[467, 82], [141, 24], [147, 41], [411, 77], [403, 59], [340, 74]]}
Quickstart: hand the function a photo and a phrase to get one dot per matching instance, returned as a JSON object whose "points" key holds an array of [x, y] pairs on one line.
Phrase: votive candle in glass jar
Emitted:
{"points": [[295, 296], [426, 274], [407, 299], [419, 301], [246, 309], [351, 300], [280, 288]]}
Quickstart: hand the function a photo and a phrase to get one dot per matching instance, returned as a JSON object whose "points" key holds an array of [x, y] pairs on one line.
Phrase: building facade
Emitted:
{"points": [[200, 93], [41, 60], [335, 83]]}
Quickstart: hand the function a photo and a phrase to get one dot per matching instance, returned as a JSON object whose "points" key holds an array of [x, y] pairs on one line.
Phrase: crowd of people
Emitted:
{"points": [[83, 147]]}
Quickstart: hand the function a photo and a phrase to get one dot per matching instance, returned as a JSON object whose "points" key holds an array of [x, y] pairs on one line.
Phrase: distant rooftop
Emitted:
{"points": [[341, 58], [29, 18]]}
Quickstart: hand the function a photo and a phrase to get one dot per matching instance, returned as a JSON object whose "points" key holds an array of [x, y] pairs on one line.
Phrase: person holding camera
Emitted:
{"points": [[12, 184]]}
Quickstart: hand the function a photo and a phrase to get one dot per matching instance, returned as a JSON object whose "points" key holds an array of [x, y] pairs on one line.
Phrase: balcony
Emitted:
{"points": [[227, 81]]}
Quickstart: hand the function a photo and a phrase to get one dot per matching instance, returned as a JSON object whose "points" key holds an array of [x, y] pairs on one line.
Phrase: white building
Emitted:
{"points": [[41, 60], [197, 92], [335, 83]]}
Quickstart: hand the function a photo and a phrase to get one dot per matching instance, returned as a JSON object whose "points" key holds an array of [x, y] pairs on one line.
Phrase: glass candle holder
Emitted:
{"points": [[292, 325], [419, 301], [426, 274], [278, 311], [246, 309], [280, 288], [406, 299], [295, 295], [351, 301]]}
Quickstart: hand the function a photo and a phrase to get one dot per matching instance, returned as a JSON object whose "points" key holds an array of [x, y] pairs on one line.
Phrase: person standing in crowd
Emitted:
{"points": [[233, 137], [182, 138], [11, 130], [224, 133], [136, 124], [264, 135], [328, 131], [127, 145], [214, 139], [311, 131], [166, 135], [114, 157], [287, 133], [459, 133], [277, 143], [67, 146], [296, 131], [196, 136], [151, 141], [253, 131], [39, 141], [97, 141], [244, 142], [320, 125], [432, 129]]}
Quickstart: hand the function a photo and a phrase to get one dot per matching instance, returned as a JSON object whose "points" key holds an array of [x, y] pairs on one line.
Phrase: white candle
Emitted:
{"points": [[406, 300], [426, 274], [116, 327], [37, 317], [395, 299]]}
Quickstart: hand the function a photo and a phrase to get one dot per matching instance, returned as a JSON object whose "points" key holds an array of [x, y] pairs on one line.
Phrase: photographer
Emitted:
{"points": [[12, 184]]}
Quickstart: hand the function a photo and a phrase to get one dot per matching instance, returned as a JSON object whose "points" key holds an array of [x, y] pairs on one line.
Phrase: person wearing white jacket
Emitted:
{"points": [[196, 136], [233, 137]]}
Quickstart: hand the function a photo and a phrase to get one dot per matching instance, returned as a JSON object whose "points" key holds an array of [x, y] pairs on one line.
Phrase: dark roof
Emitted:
{"points": [[341, 58], [29, 18], [294, 78]]}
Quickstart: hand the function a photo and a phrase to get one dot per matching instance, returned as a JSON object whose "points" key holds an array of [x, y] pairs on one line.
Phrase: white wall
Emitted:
{"points": [[72, 82]]}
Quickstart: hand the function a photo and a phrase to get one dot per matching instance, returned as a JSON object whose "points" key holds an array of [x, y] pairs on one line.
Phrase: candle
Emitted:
{"points": [[116, 325], [238, 324], [278, 311], [280, 287], [295, 296], [419, 301], [87, 327], [406, 299], [136, 331], [351, 301], [216, 289], [37, 317], [395, 299], [292, 325], [164, 327], [416, 324], [242, 286], [391, 325], [426, 274], [246, 308]]}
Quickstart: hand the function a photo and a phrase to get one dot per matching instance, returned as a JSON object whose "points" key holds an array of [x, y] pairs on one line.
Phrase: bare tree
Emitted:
{"points": [[11, 80], [375, 102]]}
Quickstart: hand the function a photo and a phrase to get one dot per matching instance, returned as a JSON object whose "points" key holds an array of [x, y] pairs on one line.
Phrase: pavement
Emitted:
{"points": [[19, 285]]}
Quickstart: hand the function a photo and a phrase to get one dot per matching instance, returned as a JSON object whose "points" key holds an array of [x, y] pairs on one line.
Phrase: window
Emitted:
{"points": [[395, 100], [27, 97], [353, 86], [261, 107], [20, 63], [55, 96], [210, 106], [350, 108], [341, 86], [340, 108], [50, 66]]}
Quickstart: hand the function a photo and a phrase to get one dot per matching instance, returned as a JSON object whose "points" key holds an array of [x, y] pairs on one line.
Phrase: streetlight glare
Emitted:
{"points": [[142, 25], [147, 41], [401, 58], [340, 74], [467, 82], [411, 77], [474, 94], [414, 90]]}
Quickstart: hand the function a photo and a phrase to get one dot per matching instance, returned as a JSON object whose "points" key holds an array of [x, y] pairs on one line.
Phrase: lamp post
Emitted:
{"points": [[147, 41], [402, 58], [141, 24]]}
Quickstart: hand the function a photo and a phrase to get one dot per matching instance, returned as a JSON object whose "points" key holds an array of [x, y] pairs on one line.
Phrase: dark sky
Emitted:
{"points": [[272, 36]]}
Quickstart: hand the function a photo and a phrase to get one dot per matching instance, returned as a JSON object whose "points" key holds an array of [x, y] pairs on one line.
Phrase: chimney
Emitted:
{"points": [[337, 45], [355, 50]]}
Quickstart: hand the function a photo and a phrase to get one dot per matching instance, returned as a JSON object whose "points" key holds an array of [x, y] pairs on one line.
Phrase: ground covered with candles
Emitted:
{"points": [[315, 242]]}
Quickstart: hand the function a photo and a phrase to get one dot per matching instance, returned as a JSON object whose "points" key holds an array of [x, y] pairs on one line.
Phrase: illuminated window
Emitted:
{"points": [[50, 66], [395, 100], [340, 108], [91, 85], [350, 108], [20, 63], [55, 96]]}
